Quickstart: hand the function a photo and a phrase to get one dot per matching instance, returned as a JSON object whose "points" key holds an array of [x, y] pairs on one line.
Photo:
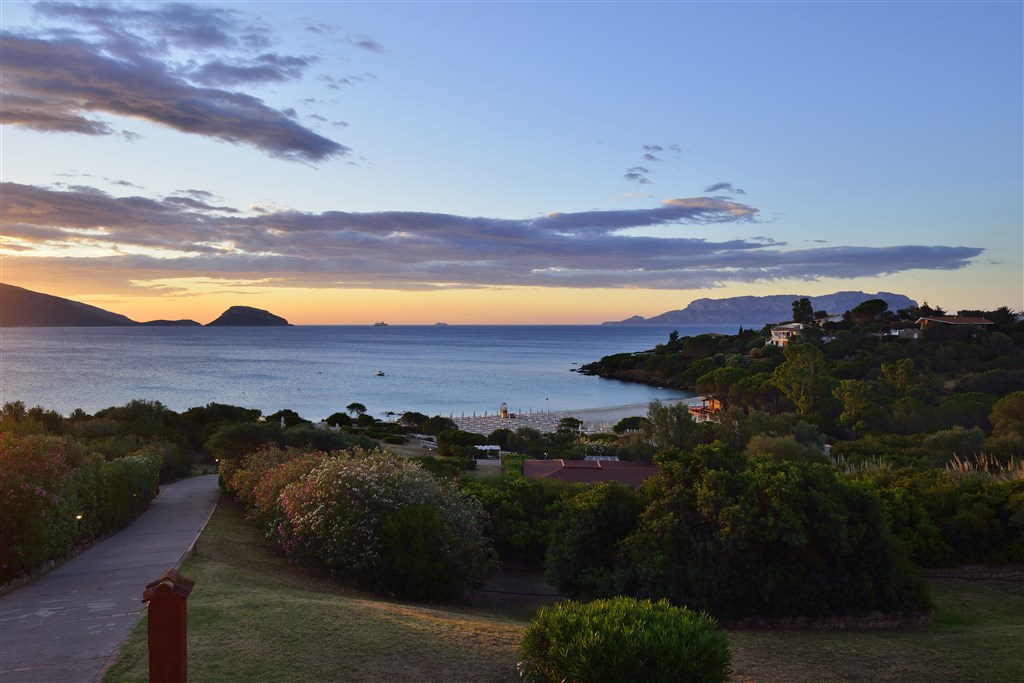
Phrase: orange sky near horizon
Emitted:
{"points": [[203, 300]]}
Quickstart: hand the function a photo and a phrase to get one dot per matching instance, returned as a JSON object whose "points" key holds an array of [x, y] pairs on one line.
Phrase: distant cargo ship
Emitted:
{"points": [[380, 324]]}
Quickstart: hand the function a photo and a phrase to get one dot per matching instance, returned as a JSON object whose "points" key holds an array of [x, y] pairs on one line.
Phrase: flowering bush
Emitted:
{"points": [[33, 471], [46, 505], [346, 515], [264, 475]]}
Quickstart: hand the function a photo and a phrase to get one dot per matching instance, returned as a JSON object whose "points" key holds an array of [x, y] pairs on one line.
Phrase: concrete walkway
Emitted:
{"points": [[68, 624]]}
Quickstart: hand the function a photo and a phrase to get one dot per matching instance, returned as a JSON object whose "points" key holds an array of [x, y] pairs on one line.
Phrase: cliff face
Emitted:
{"points": [[762, 310], [246, 316], [21, 307]]}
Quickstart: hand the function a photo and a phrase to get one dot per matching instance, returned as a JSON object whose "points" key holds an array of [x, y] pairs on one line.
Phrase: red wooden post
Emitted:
{"points": [[168, 650]]}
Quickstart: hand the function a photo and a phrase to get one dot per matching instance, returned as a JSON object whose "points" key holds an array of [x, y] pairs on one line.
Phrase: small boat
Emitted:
{"points": [[380, 324], [379, 373], [440, 324]]}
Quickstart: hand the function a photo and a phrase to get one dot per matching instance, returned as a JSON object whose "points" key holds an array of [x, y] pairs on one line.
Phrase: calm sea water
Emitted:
{"points": [[317, 370]]}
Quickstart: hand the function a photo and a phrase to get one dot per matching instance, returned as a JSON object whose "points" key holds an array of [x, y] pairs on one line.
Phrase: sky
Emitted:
{"points": [[509, 162]]}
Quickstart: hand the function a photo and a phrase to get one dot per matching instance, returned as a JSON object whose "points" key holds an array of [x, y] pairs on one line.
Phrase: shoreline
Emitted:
{"points": [[594, 419]]}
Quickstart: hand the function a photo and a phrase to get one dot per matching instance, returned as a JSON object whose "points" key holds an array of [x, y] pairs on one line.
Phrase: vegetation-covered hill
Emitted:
{"points": [[21, 307]]}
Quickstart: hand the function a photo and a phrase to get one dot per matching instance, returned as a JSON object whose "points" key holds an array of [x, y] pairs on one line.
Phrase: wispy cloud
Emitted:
{"points": [[637, 174], [652, 153], [125, 60], [724, 187], [137, 238]]}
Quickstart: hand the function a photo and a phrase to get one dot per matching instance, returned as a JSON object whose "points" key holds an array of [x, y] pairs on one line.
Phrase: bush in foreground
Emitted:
{"points": [[621, 640]]}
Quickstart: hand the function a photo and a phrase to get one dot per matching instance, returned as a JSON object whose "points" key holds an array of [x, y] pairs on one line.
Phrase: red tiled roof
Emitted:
{"points": [[590, 471], [956, 320]]}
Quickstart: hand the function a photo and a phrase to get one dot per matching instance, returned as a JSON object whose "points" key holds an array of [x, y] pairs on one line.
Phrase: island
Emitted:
{"points": [[247, 316]]}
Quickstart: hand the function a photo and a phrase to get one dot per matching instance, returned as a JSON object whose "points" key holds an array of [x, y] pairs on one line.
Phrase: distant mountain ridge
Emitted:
{"points": [[762, 310], [20, 307]]}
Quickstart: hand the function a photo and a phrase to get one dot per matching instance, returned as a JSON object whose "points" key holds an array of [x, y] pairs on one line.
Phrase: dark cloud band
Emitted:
{"points": [[187, 237]]}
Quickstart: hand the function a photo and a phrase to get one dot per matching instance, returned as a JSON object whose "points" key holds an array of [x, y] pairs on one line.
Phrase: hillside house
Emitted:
{"points": [[707, 411], [959, 320], [781, 334]]}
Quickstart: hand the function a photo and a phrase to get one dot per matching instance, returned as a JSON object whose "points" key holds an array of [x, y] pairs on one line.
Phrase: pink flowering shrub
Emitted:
{"points": [[47, 504], [265, 498], [34, 522], [380, 521]]}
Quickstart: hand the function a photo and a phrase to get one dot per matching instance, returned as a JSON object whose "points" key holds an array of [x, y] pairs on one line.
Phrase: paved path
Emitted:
{"points": [[66, 625]]}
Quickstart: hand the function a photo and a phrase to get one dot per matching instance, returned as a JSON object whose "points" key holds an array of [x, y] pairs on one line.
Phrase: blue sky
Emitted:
{"points": [[510, 162]]}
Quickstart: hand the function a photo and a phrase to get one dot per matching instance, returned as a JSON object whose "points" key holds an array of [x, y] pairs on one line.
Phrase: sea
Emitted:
{"points": [[448, 370]]}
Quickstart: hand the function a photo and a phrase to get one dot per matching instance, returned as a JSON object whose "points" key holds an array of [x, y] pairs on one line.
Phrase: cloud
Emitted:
{"points": [[266, 68], [364, 43], [724, 187], [186, 236], [637, 174], [116, 61]]}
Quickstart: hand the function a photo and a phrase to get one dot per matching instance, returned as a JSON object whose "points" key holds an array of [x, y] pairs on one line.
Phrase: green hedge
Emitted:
{"points": [[49, 503], [623, 640]]}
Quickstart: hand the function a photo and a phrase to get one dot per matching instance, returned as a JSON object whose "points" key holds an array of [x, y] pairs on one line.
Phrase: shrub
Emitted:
{"points": [[519, 514], [584, 558], [410, 565], [34, 526], [282, 468], [621, 640], [334, 517], [46, 505], [744, 539]]}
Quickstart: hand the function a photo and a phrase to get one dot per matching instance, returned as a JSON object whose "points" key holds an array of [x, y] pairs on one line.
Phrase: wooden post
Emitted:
{"points": [[167, 636]]}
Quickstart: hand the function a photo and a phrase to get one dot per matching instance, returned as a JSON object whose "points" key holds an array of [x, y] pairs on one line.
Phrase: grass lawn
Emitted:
{"points": [[254, 617]]}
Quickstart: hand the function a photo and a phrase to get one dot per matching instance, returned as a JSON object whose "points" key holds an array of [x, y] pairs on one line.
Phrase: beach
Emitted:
{"points": [[594, 419]]}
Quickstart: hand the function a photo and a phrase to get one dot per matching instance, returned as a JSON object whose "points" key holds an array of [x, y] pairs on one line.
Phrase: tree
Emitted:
{"points": [[437, 424], [339, 420], [355, 408], [862, 405], [1007, 415], [411, 418], [568, 429], [232, 441], [804, 378], [633, 423], [803, 312], [670, 426], [290, 417], [868, 311]]}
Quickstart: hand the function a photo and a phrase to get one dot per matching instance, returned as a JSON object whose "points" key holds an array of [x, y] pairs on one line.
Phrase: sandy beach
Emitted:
{"points": [[594, 419]]}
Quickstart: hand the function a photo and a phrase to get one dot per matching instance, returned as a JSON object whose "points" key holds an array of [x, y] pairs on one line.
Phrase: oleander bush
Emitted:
{"points": [[345, 516], [52, 497], [623, 640]]}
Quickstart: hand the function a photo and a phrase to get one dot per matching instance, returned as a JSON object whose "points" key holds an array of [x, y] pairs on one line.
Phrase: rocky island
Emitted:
{"points": [[246, 316]]}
